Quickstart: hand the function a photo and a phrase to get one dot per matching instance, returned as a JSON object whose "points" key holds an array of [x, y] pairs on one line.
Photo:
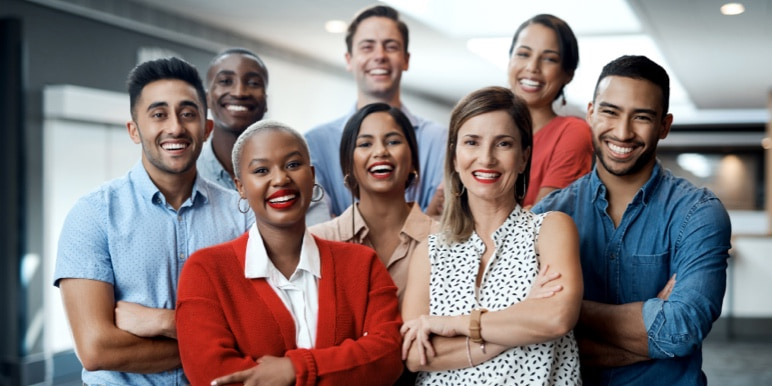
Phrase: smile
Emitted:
{"points": [[282, 199], [486, 176], [619, 149], [174, 146], [381, 170]]}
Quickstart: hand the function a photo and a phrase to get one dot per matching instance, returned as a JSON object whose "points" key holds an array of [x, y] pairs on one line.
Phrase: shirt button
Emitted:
{"points": [[182, 256], [179, 218], [613, 257]]}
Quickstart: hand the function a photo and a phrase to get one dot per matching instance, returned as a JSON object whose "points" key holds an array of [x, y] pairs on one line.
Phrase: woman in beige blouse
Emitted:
{"points": [[379, 160]]}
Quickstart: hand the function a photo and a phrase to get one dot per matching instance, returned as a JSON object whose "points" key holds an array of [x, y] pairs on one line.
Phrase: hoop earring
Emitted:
{"points": [[412, 178], [463, 190], [521, 195], [239, 205], [318, 194]]}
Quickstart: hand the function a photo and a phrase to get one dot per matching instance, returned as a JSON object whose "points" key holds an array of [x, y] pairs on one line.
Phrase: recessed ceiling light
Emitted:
{"points": [[335, 26], [731, 9]]}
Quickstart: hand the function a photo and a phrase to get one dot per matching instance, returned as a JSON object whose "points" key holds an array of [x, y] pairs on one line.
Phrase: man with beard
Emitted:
{"points": [[236, 80], [654, 247], [123, 246]]}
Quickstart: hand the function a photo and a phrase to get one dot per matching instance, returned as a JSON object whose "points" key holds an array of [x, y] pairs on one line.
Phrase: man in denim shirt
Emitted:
{"points": [[123, 246], [654, 247]]}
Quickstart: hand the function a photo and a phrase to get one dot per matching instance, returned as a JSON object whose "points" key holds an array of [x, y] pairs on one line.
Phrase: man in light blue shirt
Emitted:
{"points": [[122, 247], [236, 90], [377, 55], [654, 247]]}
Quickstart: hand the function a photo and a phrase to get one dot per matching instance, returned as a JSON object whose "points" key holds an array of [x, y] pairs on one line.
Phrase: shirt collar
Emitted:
{"points": [[359, 231], [150, 192], [259, 265], [644, 194]]}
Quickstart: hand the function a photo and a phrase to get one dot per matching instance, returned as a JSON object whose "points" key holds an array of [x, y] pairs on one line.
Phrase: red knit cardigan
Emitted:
{"points": [[225, 322]]}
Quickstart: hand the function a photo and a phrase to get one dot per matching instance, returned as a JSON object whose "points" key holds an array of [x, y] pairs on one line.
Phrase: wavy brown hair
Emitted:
{"points": [[457, 220]]}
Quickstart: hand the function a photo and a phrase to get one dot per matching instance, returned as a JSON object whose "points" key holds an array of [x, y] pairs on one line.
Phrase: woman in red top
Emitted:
{"points": [[277, 305], [542, 59]]}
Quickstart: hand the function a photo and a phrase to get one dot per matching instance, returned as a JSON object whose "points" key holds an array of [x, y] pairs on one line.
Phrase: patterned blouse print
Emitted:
{"points": [[507, 279]]}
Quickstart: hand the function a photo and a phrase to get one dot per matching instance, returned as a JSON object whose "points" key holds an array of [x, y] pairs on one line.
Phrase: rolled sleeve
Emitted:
{"points": [[677, 326]]}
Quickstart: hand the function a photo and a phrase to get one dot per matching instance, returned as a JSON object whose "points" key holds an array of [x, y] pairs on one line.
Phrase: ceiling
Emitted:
{"points": [[722, 65]]}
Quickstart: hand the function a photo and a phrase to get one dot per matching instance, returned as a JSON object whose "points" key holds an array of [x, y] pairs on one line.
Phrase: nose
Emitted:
{"points": [[380, 150], [238, 89], [623, 130], [379, 52], [486, 156], [280, 177], [533, 63], [175, 126]]}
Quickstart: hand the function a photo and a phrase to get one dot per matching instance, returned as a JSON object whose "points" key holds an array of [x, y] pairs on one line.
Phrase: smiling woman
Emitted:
{"points": [[277, 303]]}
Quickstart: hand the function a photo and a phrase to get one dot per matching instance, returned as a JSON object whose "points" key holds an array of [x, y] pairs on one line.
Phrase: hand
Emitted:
{"points": [[540, 289], [665, 292], [269, 370], [144, 321], [421, 330], [434, 209]]}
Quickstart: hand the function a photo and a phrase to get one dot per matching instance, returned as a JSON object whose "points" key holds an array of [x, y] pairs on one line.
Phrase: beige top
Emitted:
{"points": [[416, 229]]}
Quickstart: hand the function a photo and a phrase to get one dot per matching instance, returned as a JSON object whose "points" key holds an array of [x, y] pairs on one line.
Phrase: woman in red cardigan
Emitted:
{"points": [[277, 305]]}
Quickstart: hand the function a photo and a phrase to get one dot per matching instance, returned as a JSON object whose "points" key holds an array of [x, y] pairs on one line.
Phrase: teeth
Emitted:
{"points": [[486, 175], [173, 146], [529, 83], [378, 71], [281, 199], [381, 169], [619, 149], [236, 108]]}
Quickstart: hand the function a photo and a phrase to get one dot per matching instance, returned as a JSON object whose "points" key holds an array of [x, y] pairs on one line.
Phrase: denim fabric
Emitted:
{"points": [[126, 234], [324, 142], [670, 227]]}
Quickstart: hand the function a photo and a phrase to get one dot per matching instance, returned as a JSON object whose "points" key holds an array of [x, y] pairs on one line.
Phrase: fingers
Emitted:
{"points": [[238, 376], [664, 294]]}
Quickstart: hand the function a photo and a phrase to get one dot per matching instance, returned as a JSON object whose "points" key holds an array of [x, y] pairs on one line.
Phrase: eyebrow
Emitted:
{"points": [[295, 153], [389, 134], [184, 103], [636, 111], [233, 73], [531, 49]]}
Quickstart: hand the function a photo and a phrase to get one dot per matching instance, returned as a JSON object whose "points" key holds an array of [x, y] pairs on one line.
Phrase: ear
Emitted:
{"points": [[667, 122], [526, 157], [239, 187], [407, 61], [133, 131], [590, 110], [208, 126], [313, 172], [348, 61]]}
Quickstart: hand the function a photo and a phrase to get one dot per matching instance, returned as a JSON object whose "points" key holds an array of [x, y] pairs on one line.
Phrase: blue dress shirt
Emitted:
{"points": [[670, 227], [324, 142], [126, 234]]}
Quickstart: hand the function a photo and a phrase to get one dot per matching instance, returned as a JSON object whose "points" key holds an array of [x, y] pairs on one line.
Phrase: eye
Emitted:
{"points": [[225, 81], [189, 115], [522, 54], [255, 82], [644, 118], [364, 144], [506, 144], [260, 170], [470, 142], [608, 112], [394, 142], [392, 47], [552, 59], [292, 165]]}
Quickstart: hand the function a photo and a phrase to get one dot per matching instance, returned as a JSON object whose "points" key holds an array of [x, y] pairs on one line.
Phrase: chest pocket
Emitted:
{"points": [[648, 275]]}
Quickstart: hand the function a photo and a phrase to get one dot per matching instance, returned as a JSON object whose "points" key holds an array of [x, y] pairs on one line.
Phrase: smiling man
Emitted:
{"points": [[654, 247], [377, 54], [237, 80], [122, 246]]}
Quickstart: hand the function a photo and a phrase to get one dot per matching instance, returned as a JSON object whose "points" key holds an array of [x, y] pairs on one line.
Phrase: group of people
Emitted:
{"points": [[381, 248]]}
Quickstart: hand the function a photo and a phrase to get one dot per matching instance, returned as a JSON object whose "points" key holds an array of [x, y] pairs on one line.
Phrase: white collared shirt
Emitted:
{"points": [[300, 293]]}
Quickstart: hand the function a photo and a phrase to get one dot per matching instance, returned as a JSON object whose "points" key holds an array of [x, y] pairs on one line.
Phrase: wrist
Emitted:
{"points": [[475, 325]]}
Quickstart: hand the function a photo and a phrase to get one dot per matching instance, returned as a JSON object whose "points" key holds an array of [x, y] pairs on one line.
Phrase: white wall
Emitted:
{"points": [[304, 97]]}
